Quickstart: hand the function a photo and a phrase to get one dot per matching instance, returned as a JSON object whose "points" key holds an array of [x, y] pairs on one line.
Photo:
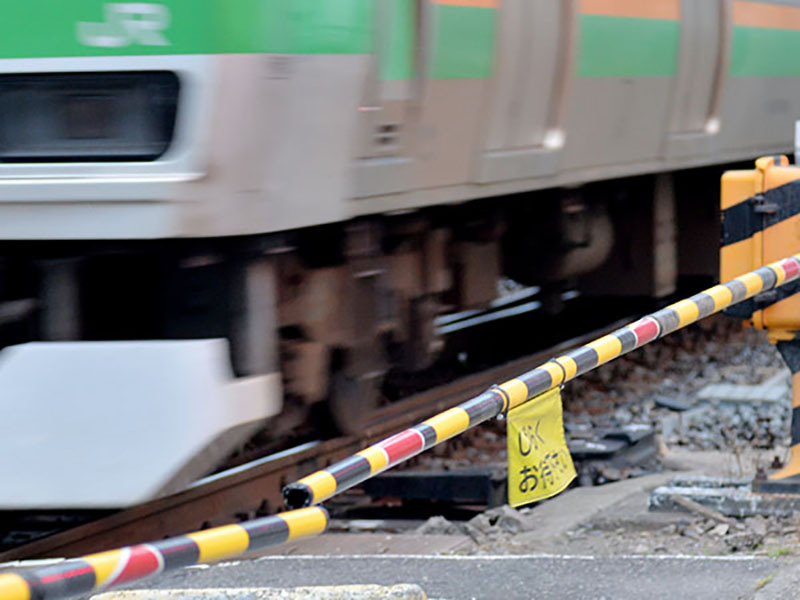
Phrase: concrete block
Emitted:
{"points": [[734, 501], [345, 592], [552, 519], [711, 482], [774, 389], [674, 422]]}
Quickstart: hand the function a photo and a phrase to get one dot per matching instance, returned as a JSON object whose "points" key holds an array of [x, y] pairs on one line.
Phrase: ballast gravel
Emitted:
{"points": [[661, 385]]}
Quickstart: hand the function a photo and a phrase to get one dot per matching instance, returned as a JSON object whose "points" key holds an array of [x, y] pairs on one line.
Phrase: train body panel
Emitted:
{"points": [[669, 82], [284, 137], [156, 416], [404, 98]]}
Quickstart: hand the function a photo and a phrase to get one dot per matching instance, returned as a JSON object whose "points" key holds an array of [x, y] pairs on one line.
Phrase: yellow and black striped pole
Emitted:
{"points": [[320, 486], [105, 570]]}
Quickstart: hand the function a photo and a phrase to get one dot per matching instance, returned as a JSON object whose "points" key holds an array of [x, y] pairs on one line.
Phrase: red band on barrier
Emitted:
{"points": [[791, 268], [64, 575], [142, 562], [402, 445], [646, 330]]}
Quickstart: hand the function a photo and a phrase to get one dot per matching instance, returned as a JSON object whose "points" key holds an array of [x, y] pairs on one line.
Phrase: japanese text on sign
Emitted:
{"points": [[539, 463]]}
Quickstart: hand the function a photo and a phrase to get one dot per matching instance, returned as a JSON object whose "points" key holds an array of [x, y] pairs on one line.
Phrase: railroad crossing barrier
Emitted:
{"points": [[109, 569], [105, 570]]}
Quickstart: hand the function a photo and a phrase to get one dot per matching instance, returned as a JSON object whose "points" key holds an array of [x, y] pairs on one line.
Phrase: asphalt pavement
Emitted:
{"points": [[500, 577]]}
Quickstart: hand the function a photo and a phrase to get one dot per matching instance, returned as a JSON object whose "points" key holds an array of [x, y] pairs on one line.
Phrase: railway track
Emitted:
{"points": [[254, 489]]}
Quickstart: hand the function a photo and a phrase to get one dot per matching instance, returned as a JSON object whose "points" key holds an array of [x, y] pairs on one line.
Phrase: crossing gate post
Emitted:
{"points": [[761, 219], [787, 479]]}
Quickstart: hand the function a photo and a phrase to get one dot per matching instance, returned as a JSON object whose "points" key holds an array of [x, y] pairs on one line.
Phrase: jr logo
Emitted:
{"points": [[127, 23]]}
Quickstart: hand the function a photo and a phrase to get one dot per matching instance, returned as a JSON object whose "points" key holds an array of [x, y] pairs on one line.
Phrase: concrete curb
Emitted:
{"points": [[731, 501], [345, 592], [774, 389]]}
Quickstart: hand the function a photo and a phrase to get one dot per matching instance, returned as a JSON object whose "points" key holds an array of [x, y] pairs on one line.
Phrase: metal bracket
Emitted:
{"points": [[790, 352], [762, 206], [765, 299]]}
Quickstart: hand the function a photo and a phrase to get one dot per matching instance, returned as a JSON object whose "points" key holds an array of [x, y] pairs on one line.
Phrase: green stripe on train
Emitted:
{"points": [[398, 54], [465, 42], [628, 47], [58, 28], [763, 52]]}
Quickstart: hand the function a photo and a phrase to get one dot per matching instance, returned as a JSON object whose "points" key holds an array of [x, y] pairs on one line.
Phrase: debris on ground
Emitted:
{"points": [[493, 525]]}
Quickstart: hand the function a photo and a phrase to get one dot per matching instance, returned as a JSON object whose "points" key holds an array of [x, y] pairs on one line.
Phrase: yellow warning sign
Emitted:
{"points": [[539, 463]]}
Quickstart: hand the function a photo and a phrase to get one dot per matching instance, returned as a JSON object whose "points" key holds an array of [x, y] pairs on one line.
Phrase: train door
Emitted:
{"points": [[525, 118], [702, 71], [392, 97]]}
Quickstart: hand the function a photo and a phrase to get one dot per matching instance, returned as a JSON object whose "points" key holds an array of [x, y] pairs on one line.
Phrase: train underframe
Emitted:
{"points": [[334, 308]]}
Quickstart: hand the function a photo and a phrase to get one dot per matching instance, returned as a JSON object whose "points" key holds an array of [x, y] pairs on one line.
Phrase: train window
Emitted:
{"points": [[87, 117]]}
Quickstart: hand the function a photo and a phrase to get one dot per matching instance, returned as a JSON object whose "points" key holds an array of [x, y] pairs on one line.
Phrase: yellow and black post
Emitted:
{"points": [[787, 479], [760, 221]]}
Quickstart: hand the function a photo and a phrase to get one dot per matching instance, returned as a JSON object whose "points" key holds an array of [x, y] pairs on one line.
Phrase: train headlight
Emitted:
{"points": [[87, 117]]}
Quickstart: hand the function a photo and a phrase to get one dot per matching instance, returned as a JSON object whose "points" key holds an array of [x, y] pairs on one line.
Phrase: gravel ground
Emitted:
{"points": [[759, 536], [631, 390], [627, 528], [675, 369]]}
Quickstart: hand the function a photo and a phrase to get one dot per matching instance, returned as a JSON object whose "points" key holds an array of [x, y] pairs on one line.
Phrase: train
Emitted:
{"points": [[218, 216]]}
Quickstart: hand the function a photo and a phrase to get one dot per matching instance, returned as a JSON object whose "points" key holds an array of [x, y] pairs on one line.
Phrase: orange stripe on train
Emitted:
{"points": [[774, 16], [472, 3], [643, 9]]}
